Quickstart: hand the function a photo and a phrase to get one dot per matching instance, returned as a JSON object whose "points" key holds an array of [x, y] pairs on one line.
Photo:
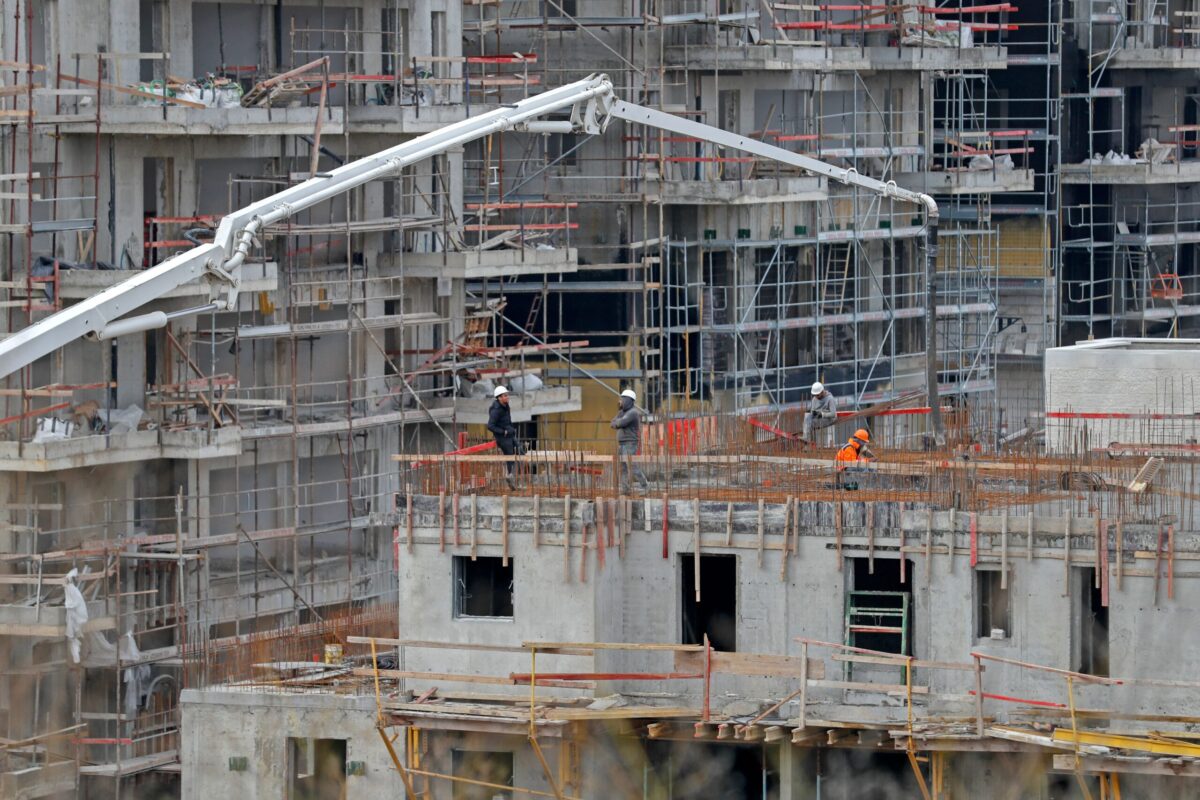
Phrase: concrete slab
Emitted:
{"points": [[550, 400], [77, 284], [478, 264], [119, 448], [1157, 58], [735, 192], [1130, 174], [873, 58], [964, 181], [44, 780], [180, 121]]}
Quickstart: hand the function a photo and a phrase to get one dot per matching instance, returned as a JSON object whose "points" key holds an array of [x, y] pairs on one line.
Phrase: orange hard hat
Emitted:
{"points": [[861, 433]]}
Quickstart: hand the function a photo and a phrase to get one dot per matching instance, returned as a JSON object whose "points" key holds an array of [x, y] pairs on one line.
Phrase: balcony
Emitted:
{"points": [[79, 452]]}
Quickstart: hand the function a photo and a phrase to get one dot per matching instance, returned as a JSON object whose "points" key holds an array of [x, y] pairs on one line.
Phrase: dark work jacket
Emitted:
{"points": [[500, 421]]}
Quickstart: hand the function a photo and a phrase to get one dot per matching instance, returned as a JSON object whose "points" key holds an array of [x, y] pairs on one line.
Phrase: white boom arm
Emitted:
{"points": [[593, 105]]}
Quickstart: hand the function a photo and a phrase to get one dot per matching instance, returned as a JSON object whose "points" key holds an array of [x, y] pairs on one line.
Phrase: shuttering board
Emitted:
{"points": [[1023, 247]]}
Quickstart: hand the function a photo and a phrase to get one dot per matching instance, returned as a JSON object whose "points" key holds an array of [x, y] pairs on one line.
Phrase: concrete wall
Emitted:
{"points": [[637, 598], [1122, 376], [221, 725]]}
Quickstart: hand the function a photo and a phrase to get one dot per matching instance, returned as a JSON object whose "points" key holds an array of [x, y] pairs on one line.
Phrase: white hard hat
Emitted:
{"points": [[630, 393], [499, 391], [818, 387]]}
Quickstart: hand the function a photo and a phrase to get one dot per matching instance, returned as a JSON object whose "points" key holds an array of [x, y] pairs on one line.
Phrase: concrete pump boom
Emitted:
{"points": [[593, 105]]}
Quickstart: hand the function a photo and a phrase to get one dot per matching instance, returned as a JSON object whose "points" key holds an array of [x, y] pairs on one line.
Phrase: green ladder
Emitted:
{"points": [[877, 614]]}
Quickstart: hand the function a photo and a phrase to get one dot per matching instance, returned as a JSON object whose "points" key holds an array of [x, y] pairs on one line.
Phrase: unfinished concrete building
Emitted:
{"points": [[196, 513]]}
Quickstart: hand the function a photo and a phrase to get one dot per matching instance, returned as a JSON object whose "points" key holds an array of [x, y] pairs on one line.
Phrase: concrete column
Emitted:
{"points": [[124, 36], [372, 41], [131, 371], [420, 29], [179, 38], [122, 185]]}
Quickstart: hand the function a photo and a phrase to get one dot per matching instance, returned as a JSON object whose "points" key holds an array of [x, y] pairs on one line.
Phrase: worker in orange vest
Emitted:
{"points": [[852, 454]]}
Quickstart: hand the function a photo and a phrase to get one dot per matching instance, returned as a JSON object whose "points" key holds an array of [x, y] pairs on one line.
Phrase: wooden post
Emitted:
{"points": [[696, 547], [838, 533], [1120, 552], [1029, 536], [1067, 558], [599, 506], [729, 524], [583, 547], [537, 521], [1004, 550], [1099, 542], [442, 521], [1157, 562], [474, 523], [951, 541], [870, 538], [610, 518], [974, 539], [566, 539], [1170, 562], [803, 683], [978, 698], [903, 565], [623, 513], [408, 525], [504, 530], [787, 533], [666, 541], [1103, 568], [454, 514], [761, 532], [929, 544]]}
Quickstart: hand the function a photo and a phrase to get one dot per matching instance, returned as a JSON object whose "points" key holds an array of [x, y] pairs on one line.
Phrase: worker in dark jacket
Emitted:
{"points": [[628, 424], [501, 425]]}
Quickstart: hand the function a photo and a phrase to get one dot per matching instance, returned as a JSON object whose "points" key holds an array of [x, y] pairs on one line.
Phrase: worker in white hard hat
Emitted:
{"points": [[501, 426], [628, 424], [821, 414]]}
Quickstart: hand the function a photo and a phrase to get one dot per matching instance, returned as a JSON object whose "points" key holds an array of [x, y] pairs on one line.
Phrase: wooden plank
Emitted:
{"points": [[452, 677], [900, 661], [632, 646], [175, 101], [882, 688], [423, 644], [756, 664]]}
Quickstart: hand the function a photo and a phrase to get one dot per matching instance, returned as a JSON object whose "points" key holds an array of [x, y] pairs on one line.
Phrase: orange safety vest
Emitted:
{"points": [[847, 455]]}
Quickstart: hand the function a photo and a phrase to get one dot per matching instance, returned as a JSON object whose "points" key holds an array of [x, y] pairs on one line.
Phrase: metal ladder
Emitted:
{"points": [[833, 295]]}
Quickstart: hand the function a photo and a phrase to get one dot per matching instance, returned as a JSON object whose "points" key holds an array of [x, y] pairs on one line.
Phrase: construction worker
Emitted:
{"points": [[501, 425], [628, 424], [853, 455], [822, 413]]}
